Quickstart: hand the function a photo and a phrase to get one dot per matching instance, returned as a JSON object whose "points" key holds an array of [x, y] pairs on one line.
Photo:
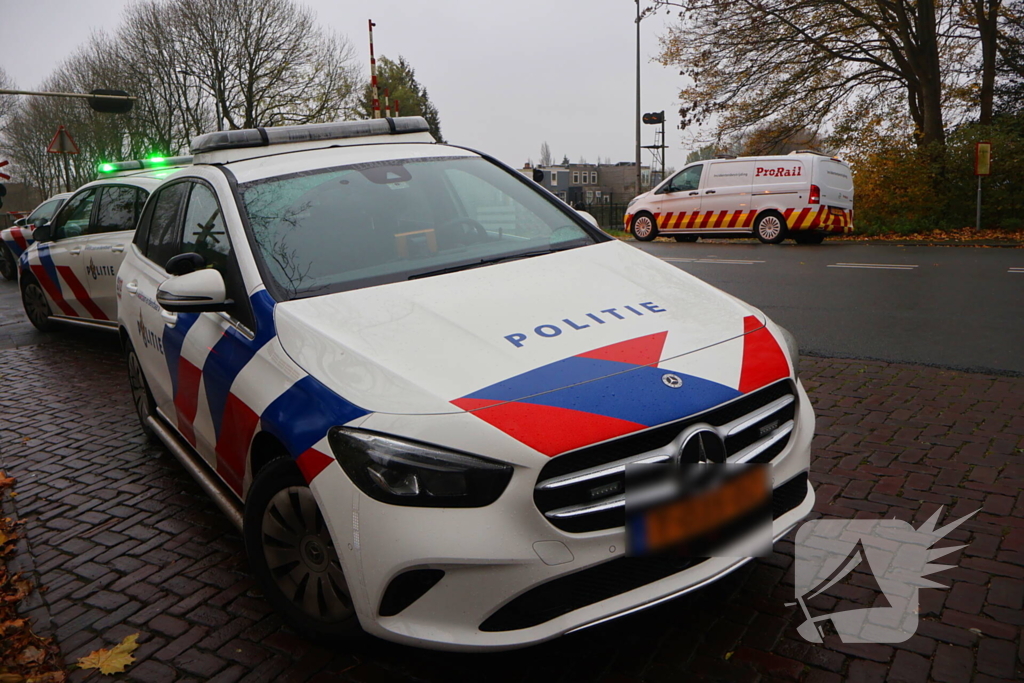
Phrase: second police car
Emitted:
{"points": [[17, 238], [67, 272], [414, 379]]}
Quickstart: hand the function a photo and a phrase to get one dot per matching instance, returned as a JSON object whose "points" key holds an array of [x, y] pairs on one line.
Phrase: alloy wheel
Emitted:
{"points": [[301, 556], [642, 227], [36, 306], [138, 385], [770, 227]]}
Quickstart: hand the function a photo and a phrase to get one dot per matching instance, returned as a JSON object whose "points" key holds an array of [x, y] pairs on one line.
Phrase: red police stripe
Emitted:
{"points": [[312, 463], [763, 359], [679, 220], [80, 294], [706, 219], [236, 430], [546, 429], [667, 223], [640, 351], [186, 400], [19, 238], [44, 280]]}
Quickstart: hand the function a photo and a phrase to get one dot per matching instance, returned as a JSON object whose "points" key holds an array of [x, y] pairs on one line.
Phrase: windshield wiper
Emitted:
{"points": [[485, 262]]}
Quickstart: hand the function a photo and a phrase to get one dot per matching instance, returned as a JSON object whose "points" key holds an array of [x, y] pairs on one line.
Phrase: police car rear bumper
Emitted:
{"points": [[493, 555]]}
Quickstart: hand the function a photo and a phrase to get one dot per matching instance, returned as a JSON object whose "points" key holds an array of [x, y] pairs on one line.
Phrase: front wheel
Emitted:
{"points": [[145, 406], [37, 308], [770, 227], [644, 228], [292, 554], [8, 264]]}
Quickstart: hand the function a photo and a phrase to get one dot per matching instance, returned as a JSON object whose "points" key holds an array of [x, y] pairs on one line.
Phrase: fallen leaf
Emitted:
{"points": [[975, 630], [51, 677], [11, 678], [112, 661], [31, 655]]}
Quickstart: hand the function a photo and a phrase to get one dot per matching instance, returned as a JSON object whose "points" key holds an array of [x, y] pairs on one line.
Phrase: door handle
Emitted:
{"points": [[693, 193], [117, 247], [710, 192], [132, 287], [75, 252], [169, 318]]}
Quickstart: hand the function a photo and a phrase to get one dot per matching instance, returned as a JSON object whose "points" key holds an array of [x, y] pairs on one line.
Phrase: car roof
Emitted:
{"points": [[298, 161], [147, 179]]}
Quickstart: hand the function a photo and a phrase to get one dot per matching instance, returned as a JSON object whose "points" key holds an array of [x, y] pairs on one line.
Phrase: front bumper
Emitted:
{"points": [[495, 554]]}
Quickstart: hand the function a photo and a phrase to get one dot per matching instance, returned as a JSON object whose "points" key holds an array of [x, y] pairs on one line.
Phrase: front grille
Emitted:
{"points": [[583, 490], [615, 577]]}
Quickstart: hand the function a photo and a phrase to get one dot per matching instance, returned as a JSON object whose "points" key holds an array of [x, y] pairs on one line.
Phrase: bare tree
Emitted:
{"points": [[545, 155], [802, 63]]}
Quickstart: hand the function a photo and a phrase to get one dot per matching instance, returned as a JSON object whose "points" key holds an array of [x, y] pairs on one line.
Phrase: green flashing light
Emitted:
{"points": [[156, 160], [106, 168]]}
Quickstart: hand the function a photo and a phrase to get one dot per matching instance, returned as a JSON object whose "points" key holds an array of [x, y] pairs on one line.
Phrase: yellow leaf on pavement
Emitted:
{"points": [[114, 660]]}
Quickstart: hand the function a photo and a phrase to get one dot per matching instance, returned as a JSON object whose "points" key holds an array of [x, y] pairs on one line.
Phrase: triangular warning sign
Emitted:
{"points": [[62, 143]]}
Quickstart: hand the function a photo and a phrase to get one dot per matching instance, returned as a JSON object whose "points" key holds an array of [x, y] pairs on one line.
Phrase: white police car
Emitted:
{"points": [[17, 238], [67, 273], [414, 378]]}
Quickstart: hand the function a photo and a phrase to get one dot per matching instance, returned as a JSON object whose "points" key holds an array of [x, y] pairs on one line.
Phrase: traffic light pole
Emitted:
{"points": [[638, 175], [105, 101]]}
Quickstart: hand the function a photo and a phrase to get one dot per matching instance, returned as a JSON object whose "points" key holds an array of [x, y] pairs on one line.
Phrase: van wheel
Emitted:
{"points": [[686, 238], [292, 555], [145, 406], [8, 264], [644, 228], [770, 227], [809, 237], [37, 308]]}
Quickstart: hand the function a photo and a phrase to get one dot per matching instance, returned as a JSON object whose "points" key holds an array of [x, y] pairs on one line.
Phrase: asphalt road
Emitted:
{"points": [[957, 307]]}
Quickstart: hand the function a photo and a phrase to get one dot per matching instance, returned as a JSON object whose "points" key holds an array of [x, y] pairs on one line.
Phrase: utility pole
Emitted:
{"points": [[638, 176], [373, 75]]}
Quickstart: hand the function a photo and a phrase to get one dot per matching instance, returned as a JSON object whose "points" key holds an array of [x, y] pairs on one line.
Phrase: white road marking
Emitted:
{"points": [[1016, 269], [732, 262], [875, 266]]}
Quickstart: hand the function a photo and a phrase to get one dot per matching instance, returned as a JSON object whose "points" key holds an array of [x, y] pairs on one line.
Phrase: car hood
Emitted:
{"points": [[510, 330]]}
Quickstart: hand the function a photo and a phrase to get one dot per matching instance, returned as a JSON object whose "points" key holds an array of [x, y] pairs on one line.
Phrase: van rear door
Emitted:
{"points": [[835, 180]]}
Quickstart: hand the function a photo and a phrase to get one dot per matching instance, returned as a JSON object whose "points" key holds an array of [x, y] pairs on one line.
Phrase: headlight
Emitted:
{"points": [[632, 201], [793, 348], [405, 473]]}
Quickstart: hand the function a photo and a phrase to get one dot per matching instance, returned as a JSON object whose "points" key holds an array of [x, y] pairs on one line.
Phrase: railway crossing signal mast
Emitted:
{"points": [[659, 146]]}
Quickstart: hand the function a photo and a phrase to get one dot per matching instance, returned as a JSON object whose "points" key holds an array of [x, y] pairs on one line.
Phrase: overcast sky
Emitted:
{"points": [[505, 76]]}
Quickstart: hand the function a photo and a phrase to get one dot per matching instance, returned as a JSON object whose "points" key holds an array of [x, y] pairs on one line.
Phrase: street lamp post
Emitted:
{"points": [[638, 175]]}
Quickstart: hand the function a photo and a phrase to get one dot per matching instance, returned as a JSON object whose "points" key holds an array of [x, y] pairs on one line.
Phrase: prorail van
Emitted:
{"points": [[803, 196]]}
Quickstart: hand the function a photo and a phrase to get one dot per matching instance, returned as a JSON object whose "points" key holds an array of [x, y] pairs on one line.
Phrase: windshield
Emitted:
{"points": [[354, 226], [44, 212]]}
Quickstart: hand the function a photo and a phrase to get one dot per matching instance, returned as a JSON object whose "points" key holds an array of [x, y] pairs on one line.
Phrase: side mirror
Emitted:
{"points": [[589, 217], [43, 233], [197, 292], [183, 264]]}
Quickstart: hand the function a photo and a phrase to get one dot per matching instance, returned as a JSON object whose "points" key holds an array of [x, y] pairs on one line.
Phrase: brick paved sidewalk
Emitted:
{"points": [[125, 542]]}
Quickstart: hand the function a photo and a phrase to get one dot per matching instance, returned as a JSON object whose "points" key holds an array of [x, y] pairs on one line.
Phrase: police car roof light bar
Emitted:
{"points": [[263, 137], [142, 164]]}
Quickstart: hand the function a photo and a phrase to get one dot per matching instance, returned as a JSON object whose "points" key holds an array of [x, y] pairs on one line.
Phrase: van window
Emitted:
{"points": [[687, 179]]}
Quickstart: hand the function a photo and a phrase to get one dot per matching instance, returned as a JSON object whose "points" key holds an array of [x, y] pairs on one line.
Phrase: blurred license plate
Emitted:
{"points": [[697, 513], [835, 212]]}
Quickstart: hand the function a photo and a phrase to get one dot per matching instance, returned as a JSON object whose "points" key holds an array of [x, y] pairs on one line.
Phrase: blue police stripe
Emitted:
{"points": [[47, 262], [301, 416], [562, 373], [232, 352], [173, 338], [639, 396]]}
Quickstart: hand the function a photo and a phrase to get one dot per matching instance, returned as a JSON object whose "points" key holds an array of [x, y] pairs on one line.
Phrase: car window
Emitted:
{"points": [[73, 219], [204, 232], [117, 210], [162, 239], [43, 212], [686, 180], [354, 226]]}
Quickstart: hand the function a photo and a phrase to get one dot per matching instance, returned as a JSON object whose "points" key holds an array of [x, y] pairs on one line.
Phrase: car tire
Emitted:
{"points": [[809, 237], [644, 227], [290, 559], [770, 227], [8, 264], [37, 308], [142, 397], [685, 238]]}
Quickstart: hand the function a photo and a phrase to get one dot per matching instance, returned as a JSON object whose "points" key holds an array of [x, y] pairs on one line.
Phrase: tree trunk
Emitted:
{"points": [[929, 76], [988, 32]]}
